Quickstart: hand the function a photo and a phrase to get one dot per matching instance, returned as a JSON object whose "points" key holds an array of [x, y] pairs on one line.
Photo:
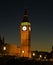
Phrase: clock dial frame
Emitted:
{"points": [[29, 28], [24, 28]]}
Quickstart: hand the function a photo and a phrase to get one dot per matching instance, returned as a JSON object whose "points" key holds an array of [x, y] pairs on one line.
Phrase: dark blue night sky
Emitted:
{"points": [[40, 16]]}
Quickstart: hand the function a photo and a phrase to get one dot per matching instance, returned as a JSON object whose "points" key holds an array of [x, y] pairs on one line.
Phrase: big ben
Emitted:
{"points": [[25, 34]]}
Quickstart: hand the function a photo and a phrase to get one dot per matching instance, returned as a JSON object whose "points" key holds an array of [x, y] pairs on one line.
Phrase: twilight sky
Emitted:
{"points": [[40, 16]]}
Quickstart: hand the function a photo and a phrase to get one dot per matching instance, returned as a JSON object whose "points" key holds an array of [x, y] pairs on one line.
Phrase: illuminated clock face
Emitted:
{"points": [[29, 28], [24, 28]]}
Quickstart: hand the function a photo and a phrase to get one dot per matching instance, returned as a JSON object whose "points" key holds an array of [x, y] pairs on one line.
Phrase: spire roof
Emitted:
{"points": [[25, 19]]}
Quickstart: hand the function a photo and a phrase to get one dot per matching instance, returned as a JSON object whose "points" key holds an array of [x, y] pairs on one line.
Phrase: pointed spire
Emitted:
{"points": [[25, 13], [25, 19], [0, 37], [52, 48], [3, 39]]}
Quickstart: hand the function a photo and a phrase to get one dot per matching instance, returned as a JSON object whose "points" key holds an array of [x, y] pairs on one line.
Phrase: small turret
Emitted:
{"points": [[0, 37], [52, 48], [3, 40], [0, 41]]}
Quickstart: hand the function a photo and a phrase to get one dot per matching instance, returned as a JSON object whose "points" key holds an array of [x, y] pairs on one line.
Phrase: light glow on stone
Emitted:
{"points": [[25, 23]]}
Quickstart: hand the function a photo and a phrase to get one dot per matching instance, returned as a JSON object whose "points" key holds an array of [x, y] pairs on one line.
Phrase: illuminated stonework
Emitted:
{"points": [[25, 33], [25, 23]]}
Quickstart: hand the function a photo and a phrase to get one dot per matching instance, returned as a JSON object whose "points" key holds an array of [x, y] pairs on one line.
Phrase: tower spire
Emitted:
{"points": [[25, 13], [25, 19]]}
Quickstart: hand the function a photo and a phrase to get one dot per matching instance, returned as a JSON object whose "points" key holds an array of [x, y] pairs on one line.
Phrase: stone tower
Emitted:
{"points": [[25, 34]]}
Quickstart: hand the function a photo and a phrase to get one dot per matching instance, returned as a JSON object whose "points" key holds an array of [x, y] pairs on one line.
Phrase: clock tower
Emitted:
{"points": [[25, 34]]}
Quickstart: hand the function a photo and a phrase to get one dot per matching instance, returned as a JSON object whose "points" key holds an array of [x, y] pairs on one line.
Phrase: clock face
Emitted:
{"points": [[24, 28], [29, 28]]}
